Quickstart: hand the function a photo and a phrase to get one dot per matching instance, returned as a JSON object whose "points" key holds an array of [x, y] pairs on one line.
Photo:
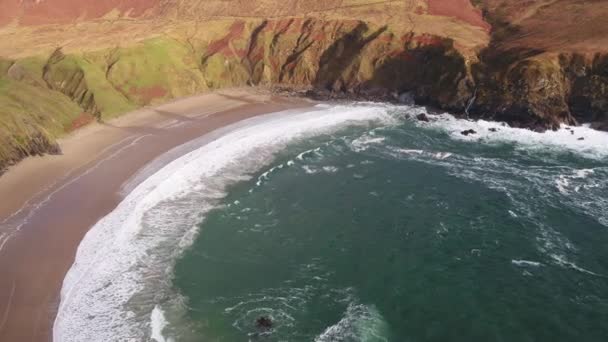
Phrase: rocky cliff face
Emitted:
{"points": [[508, 65], [530, 88], [545, 65], [542, 91], [341, 57]]}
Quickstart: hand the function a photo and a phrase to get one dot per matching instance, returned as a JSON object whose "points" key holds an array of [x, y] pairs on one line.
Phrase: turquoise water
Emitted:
{"points": [[406, 232]]}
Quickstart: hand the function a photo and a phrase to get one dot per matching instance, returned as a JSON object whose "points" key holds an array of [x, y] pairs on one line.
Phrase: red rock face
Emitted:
{"points": [[222, 46], [459, 9], [37, 12]]}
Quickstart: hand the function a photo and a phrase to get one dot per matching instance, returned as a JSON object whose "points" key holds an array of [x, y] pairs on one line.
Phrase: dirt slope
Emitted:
{"points": [[551, 25], [41, 12]]}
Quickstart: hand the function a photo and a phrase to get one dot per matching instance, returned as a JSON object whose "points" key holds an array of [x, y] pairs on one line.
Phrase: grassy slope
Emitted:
{"points": [[109, 66], [112, 66], [153, 71], [31, 115], [42, 98]]}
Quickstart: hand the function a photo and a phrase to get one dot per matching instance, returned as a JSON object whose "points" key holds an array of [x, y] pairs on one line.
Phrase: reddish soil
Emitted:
{"points": [[554, 25], [147, 94], [403, 55], [82, 120], [427, 40], [9, 10], [459, 9], [222, 45], [32, 12]]}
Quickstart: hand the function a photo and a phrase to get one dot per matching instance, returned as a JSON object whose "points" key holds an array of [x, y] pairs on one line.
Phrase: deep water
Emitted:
{"points": [[406, 231]]}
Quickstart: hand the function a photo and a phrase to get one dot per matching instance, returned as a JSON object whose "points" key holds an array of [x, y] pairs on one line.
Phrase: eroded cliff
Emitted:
{"points": [[440, 52]]}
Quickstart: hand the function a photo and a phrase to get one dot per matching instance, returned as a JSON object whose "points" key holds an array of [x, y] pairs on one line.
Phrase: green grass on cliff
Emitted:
{"points": [[40, 97], [154, 71], [110, 101], [28, 112]]}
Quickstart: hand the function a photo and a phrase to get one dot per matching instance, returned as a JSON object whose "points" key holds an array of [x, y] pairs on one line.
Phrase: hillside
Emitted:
{"points": [[65, 63]]}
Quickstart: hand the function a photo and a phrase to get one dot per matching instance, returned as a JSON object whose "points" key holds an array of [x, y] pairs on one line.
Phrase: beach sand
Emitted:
{"points": [[48, 203]]}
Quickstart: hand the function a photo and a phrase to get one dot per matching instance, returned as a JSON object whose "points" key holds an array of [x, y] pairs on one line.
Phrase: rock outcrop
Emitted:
{"points": [[492, 59]]}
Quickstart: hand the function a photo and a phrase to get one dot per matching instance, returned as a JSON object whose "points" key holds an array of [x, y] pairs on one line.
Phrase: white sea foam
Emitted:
{"points": [[363, 143], [309, 169], [158, 322], [360, 323], [594, 143], [414, 153], [562, 261], [330, 169], [308, 153], [121, 269], [266, 175], [409, 151], [526, 263], [580, 189], [443, 155]]}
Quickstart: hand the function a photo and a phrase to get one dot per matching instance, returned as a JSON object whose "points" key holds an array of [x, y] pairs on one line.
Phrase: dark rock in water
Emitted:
{"points": [[264, 322], [422, 117], [572, 132], [467, 132], [493, 129], [581, 138]]}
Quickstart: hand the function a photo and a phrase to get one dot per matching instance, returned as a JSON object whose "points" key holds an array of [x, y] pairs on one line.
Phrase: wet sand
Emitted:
{"points": [[47, 204]]}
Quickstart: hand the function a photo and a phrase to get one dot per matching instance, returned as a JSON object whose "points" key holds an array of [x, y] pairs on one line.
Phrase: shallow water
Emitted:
{"points": [[355, 223]]}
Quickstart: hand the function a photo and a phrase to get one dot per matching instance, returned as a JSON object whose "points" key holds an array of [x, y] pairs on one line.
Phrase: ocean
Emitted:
{"points": [[354, 222]]}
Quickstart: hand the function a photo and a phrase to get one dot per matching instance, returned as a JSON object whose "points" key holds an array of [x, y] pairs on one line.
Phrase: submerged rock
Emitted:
{"points": [[468, 132], [264, 322]]}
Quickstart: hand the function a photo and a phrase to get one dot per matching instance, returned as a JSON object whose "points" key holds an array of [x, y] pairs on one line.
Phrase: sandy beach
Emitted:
{"points": [[49, 203]]}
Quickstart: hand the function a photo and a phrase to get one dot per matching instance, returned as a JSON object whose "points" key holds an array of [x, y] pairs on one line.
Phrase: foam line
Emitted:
{"points": [[582, 140], [128, 255]]}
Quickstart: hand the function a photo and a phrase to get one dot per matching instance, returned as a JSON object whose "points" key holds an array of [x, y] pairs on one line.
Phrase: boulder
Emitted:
{"points": [[422, 117], [264, 322]]}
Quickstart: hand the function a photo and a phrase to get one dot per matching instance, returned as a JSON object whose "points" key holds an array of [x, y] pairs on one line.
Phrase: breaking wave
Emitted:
{"points": [[120, 280], [119, 287], [361, 323]]}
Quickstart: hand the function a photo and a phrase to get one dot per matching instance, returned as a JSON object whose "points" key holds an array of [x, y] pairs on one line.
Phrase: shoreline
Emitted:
{"points": [[55, 200], [123, 261]]}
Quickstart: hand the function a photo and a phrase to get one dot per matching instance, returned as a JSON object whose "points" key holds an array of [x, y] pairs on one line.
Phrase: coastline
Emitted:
{"points": [[118, 280], [51, 206]]}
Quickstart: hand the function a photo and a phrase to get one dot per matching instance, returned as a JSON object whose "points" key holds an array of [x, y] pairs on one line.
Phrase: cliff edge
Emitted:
{"points": [[535, 64]]}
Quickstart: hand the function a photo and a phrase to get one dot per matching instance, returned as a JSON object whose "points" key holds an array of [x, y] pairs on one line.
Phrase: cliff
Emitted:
{"points": [[546, 63], [496, 59]]}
